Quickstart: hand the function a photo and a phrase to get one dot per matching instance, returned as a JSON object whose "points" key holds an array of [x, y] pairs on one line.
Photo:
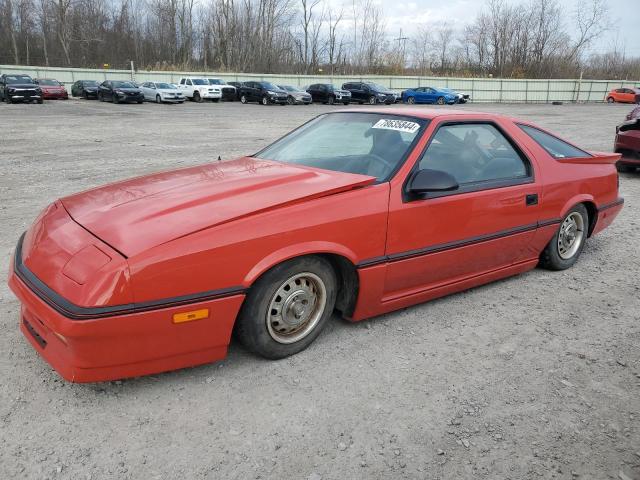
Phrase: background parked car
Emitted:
{"points": [[328, 93], [262, 92], [199, 89], [52, 89], [119, 91], [19, 88], [369, 92], [237, 85], [460, 97], [161, 92], [295, 95], [627, 142], [228, 91], [85, 88], [624, 95], [429, 95]]}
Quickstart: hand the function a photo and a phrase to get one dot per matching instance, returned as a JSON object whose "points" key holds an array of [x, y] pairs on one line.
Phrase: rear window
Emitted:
{"points": [[553, 145]]}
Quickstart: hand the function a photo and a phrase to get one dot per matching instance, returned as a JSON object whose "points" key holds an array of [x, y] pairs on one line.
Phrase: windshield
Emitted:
{"points": [[215, 81], [377, 87], [288, 88], [90, 83], [123, 85], [18, 79], [364, 143], [48, 83], [165, 86], [270, 86], [199, 81]]}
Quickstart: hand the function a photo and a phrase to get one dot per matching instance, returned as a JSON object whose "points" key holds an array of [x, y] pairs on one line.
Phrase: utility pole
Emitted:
{"points": [[402, 42]]}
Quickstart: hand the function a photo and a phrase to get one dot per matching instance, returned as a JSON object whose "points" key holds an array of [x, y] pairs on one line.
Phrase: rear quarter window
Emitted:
{"points": [[554, 146]]}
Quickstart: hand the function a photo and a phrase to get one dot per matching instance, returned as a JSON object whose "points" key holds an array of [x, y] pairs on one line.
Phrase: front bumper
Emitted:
{"points": [[120, 346], [211, 95], [23, 96], [278, 98], [172, 99], [54, 95], [131, 98]]}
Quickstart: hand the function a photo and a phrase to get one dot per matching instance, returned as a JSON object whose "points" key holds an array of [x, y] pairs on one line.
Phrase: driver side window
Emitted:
{"points": [[473, 153]]}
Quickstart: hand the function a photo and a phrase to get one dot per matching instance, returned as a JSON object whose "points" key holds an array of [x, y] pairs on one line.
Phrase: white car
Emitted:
{"points": [[199, 89], [161, 92]]}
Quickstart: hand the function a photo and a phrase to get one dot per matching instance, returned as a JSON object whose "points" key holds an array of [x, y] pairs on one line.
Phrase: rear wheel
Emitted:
{"points": [[100, 97], [440, 101], [610, 100], [372, 100], [411, 100], [287, 307], [114, 98], [567, 244], [243, 99], [85, 95]]}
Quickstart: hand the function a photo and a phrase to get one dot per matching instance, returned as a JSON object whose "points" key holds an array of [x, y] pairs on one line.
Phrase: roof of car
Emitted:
{"points": [[426, 113]]}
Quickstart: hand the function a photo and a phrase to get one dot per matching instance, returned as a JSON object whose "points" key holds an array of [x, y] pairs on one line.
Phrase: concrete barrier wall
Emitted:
{"points": [[480, 89]]}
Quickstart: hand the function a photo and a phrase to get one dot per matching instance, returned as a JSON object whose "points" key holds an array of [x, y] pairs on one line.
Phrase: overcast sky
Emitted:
{"points": [[409, 14]]}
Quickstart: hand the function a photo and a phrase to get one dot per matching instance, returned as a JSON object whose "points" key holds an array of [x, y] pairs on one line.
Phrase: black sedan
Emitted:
{"points": [[19, 88], [85, 88], [119, 91]]}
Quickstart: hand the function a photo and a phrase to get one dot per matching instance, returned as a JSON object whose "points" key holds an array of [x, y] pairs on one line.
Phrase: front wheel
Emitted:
{"points": [[346, 103], [114, 98], [158, 99], [567, 244], [265, 101], [287, 307], [197, 97], [243, 99], [85, 95], [291, 100], [331, 100]]}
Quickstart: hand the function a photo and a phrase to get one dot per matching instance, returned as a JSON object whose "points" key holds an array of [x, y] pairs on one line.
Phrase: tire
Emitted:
{"points": [[411, 100], [114, 98], [158, 99], [196, 97], [140, 102], [40, 101], [331, 100], [372, 100], [610, 100], [624, 168], [291, 100], [100, 97], [261, 326], [440, 101], [346, 103], [243, 99], [265, 101], [560, 254], [85, 95]]}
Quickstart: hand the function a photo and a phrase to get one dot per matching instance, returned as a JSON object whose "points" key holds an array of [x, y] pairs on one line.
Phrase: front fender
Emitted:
{"points": [[297, 250]]}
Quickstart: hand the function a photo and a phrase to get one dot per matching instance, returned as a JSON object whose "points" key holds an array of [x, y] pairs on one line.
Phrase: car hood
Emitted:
{"points": [[169, 90], [127, 89], [135, 215], [22, 85]]}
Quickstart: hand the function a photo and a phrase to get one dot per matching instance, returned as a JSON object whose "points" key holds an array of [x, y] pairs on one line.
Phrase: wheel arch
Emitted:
{"points": [[589, 204], [341, 258]]}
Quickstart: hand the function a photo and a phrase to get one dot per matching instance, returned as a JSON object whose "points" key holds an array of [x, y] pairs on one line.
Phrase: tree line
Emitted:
{"points": [[530, 39]]}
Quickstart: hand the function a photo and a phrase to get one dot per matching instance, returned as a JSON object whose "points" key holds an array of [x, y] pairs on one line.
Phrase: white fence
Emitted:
{"points": [[481, 89]]}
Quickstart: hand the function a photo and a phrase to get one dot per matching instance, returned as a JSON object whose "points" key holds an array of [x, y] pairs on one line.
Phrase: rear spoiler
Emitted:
{"points": [[596, 158]]}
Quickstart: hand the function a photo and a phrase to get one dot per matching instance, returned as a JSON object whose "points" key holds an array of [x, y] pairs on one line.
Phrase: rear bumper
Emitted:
{"points": [[607, 214], [120, 346]]}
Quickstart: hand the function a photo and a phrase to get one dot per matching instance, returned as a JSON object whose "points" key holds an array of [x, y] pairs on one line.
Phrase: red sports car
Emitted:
{"points": [[627, 142], [52, 89], [361, 212]]}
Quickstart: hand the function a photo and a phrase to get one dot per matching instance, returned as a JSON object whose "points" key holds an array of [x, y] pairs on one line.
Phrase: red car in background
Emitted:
{"points": [[623, 95], [359, 212], [627, 142], [52, 89]]}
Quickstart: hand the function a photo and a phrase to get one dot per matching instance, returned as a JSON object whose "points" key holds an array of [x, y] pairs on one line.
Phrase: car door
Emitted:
{"points": [[312, 90], [429, 95], [105, 91], [628, 95], [485, 225]]}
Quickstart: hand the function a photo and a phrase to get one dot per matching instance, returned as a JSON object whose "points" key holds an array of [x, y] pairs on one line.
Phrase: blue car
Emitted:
{"points": [[439, 96]]}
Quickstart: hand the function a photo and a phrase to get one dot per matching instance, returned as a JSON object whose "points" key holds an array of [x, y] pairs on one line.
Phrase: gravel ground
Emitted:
{"points": [[533, 377]]}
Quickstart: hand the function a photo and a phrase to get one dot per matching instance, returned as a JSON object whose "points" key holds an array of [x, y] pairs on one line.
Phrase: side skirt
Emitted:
{"points": [[370, 307]]}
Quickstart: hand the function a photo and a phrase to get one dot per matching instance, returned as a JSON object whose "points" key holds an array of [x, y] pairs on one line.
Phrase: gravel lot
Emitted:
{"points": [[533, 377]]}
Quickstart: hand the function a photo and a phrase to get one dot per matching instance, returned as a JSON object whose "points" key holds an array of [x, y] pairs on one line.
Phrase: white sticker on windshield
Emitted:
{"points": [[398, 125]]}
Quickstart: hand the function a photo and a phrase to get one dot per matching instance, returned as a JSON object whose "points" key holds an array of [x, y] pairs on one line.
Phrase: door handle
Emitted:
{"points": [[531, 199]]}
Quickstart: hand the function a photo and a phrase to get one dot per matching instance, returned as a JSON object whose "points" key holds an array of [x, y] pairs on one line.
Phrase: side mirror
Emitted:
{"points": [[426, 180]]}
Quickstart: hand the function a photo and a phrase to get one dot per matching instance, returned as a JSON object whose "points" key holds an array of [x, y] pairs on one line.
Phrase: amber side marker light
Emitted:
{"points": [[190, 316]]}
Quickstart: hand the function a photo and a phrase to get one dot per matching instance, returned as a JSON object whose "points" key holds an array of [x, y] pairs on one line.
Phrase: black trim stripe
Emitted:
{"points": [[394, 257], [606, 206], [75, 312]]}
